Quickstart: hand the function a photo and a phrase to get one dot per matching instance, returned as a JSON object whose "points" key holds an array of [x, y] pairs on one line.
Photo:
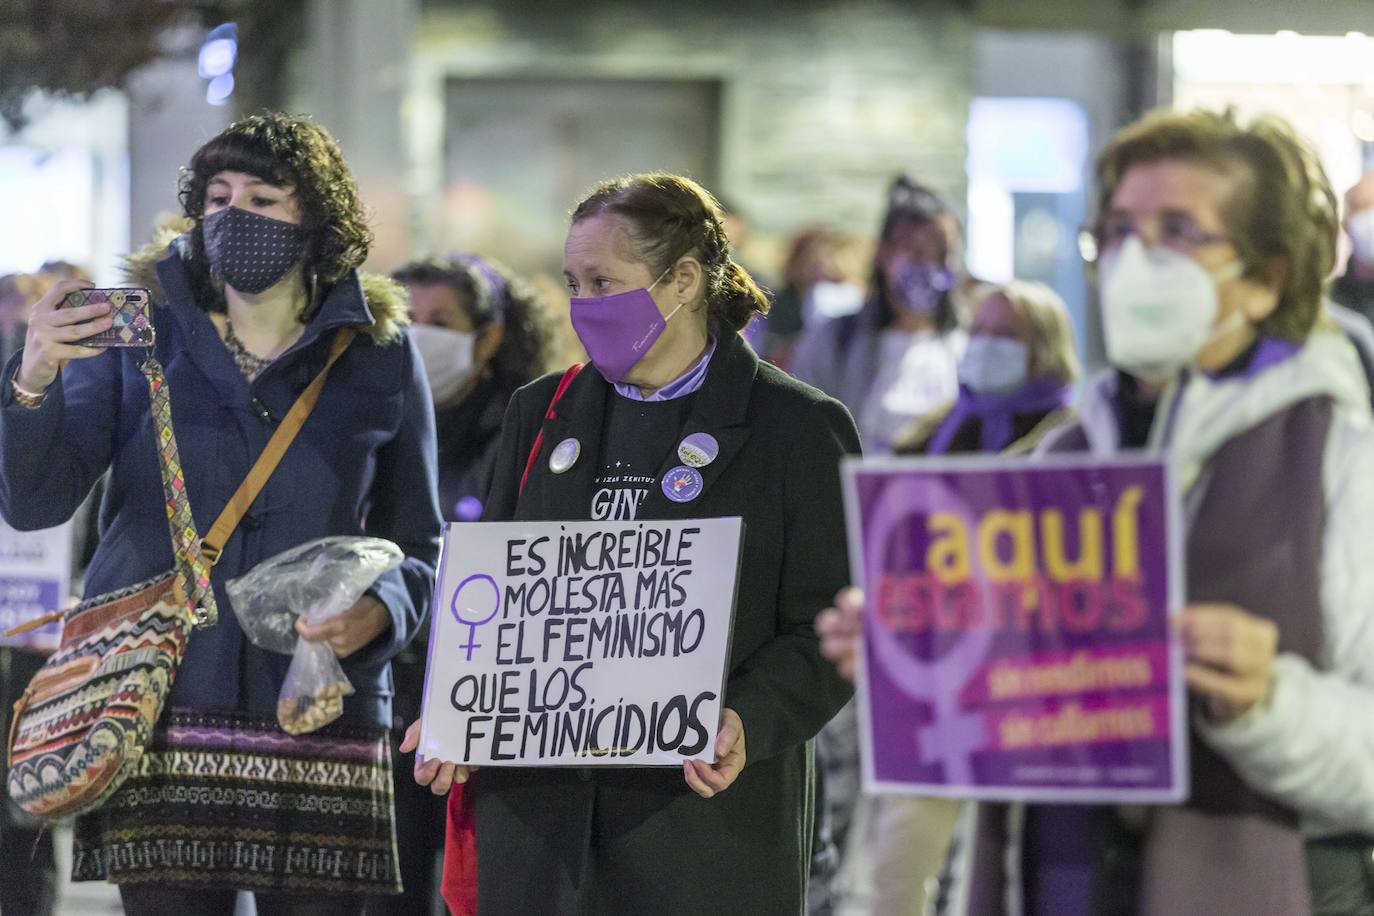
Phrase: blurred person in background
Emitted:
{"points": [[481, 334], [896, 360], [892, 363], [1354, 289], [57, 270], [1214, 243], [814, 288], [18, 293], [1351, 301], [28, 883], [739, 230], [1015, 383], [1015, 378]]}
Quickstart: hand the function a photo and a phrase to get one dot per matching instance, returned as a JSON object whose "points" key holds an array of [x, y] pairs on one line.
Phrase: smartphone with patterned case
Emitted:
{"points": [[132, 327]]}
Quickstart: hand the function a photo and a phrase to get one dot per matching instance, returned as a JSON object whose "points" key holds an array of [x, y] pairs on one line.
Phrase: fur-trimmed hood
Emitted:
{"points": [[386, 299]]}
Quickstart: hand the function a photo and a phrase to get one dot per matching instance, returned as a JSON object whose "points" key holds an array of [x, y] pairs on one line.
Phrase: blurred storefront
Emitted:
{"points": [[1322, 84]]}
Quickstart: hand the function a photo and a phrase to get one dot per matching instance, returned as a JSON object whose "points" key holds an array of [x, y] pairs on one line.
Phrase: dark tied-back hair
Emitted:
{"points": [[488, 291], [671, 217], [911, 203], [294, 153]]}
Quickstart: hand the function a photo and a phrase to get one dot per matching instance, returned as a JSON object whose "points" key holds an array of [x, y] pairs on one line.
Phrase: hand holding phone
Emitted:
{"points": [[130, 327], [54, 332]]}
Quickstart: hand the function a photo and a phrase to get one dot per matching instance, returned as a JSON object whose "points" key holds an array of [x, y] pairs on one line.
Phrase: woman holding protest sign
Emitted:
{"points": [[1213, 242], [675, 395]]}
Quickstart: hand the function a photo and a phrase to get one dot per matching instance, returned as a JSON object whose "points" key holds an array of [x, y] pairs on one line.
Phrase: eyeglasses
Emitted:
{"points": [[1176, 231]]}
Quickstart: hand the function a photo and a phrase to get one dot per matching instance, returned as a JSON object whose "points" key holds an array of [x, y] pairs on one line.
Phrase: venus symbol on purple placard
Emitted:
{"points": [[470, 601], [953, 735]]}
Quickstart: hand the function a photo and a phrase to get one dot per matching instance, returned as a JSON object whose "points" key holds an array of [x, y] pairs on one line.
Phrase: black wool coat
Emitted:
{"points": [[638, 840]]}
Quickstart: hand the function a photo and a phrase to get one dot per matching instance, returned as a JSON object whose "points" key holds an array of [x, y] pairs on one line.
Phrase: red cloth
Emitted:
{"points": [[459, 885]]}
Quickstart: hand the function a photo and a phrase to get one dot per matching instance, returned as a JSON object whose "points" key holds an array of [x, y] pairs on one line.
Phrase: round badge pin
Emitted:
{"points": [[682, 484], [698, 450], [564, 455]]}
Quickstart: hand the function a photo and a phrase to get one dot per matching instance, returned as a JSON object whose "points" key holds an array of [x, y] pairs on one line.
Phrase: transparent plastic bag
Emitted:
{"points": [[318, 580]]}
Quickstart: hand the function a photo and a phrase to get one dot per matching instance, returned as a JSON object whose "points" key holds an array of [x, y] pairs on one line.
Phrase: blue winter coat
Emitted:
{"points": [[364, 463]]}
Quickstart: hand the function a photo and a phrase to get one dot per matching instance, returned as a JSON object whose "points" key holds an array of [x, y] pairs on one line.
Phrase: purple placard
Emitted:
{"points": [[1018, 643], [23, 598]]}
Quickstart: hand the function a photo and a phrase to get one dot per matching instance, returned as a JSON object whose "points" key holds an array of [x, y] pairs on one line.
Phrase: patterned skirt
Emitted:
{"points": [[230, 800]]}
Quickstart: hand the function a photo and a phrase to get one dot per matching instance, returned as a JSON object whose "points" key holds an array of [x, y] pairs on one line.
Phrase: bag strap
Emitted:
{"points": [[194, 556], [242, 500], [548, 415]]}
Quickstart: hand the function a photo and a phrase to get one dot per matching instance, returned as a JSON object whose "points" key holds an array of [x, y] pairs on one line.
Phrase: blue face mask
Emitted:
{"points": [[922, 286], [994, 365]]}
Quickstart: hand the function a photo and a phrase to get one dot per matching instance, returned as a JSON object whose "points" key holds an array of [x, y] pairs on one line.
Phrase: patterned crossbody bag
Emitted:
{"points": [[88, 715]]}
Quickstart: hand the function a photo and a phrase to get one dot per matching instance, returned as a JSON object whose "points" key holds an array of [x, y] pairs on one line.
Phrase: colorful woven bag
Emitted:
{"points": [[85, 719]]}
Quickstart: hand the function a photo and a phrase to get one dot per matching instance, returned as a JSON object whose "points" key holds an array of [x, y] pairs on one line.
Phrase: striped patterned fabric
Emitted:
{"points": [[81, 726], [82, 723], [230, 800]]}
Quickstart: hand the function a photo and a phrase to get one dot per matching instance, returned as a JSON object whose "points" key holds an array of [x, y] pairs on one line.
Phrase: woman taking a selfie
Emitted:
{"points": [[658, 303], [246, 306]]}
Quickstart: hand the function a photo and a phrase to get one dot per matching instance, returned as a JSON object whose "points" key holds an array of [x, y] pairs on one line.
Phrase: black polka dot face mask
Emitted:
{"points": [[249, 251]]}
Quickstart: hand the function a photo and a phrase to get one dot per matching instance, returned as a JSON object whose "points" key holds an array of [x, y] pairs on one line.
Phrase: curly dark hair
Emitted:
{"points": [[488, 291], [295, 153], [671, 217]]}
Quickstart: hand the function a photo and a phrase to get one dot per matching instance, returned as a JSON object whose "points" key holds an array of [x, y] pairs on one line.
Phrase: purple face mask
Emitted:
{"points": [[922, 285], [618, 330]]}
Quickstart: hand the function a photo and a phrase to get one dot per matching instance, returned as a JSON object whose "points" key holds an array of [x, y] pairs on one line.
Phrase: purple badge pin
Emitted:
{"points": [[698, 450], [682, 484]]}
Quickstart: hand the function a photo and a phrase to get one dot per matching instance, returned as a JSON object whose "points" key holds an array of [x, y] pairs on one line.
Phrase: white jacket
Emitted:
{"points": [[1310, 744]]}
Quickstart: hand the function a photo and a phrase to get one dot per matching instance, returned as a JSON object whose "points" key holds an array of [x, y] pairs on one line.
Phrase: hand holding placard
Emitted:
{"points": [[1230, 657], [841, 630], [709, 780], [583, 643], [1016, 642], [439, 775]]}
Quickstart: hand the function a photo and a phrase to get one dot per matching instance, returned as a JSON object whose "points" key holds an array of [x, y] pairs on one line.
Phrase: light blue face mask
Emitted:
{"points": [[994, 365]]}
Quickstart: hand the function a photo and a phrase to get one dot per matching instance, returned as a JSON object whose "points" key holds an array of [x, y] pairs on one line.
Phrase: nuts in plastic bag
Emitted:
{"points": [[319, 580]]}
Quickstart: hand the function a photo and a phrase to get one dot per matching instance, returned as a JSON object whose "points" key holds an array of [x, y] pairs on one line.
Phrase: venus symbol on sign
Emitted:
{"points": [[470, 601]]}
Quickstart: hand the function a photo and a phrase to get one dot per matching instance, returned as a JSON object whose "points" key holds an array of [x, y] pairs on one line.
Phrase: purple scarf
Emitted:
{"points": [[1269, 351], [997, 413]]}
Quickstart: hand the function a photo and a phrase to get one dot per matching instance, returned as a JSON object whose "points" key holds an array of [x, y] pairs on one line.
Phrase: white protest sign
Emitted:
{"points": [[580, 643], [35, 579]]}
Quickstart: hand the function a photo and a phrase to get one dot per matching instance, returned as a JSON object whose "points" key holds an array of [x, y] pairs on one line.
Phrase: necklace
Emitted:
{"points": [[249, 364]]}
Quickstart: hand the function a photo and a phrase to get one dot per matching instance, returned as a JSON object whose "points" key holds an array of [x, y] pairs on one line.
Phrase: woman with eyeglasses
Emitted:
{"points": [[1215, 241]]}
